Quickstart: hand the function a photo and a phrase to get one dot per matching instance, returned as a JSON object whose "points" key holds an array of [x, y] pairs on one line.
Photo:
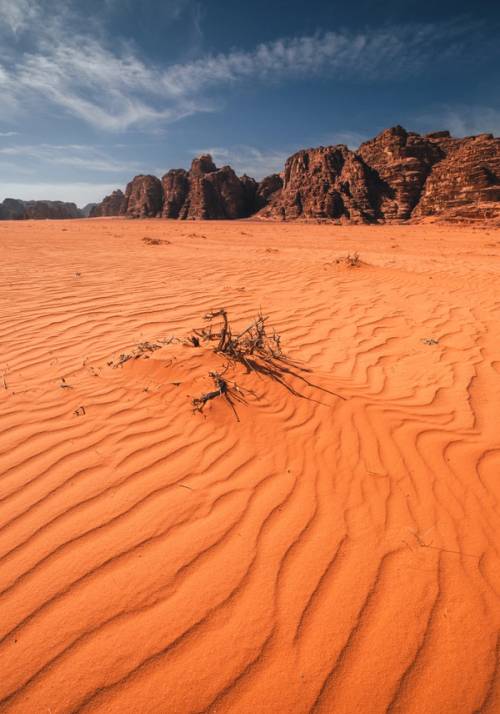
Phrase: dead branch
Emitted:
{"points": [[222, 390], [257, 350]]}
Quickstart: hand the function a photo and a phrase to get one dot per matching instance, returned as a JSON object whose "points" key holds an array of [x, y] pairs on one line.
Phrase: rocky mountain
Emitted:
{"points": [[112, 205], [15, 209], [397, 176], [143, 197]]}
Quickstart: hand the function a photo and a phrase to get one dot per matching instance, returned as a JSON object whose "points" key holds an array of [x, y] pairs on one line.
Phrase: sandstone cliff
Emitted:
{"points": [[111, 205], [207, 192], [143, 197], [397, 176], [15, 209], [468, 177]]}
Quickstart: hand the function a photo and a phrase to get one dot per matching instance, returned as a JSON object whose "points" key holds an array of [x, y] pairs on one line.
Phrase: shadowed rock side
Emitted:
{"points": [[15, 209], [267, 190], [175, 186], [112, 205], [143, 197], [207, 192], [398, 176], [401, 161]]}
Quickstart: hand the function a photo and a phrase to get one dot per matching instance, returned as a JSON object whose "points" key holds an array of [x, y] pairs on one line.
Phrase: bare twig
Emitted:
{"points": [[258, 351]]}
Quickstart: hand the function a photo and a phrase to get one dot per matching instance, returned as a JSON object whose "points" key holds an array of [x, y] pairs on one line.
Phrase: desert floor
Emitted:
{"points": [[321, 554]]}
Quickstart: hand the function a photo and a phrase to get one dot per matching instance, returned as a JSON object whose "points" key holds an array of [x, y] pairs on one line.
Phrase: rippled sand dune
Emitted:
{"points": [[321, 554]]}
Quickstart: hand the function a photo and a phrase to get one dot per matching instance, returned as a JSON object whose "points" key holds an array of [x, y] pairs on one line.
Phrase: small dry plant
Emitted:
{"points": [[257, 347], [155, 241], [351, 260]]}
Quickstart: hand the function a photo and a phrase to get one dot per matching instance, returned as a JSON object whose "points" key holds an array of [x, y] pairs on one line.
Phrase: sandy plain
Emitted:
{"points": [[321, 554]]}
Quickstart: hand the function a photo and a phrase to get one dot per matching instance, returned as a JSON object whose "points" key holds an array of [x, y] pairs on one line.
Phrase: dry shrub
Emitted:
{"points": [[351, 260], [257, 347]]}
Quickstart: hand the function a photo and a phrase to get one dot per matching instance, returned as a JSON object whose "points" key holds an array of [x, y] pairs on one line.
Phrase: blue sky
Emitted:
{"points": [[100, 90]]}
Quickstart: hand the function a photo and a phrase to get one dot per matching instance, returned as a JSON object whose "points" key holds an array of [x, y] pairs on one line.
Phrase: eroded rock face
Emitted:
{"points": [[325, 183], [397, 176], [250, 187], [143, 197], [267, 189], [15, 209], [206, 192], [466, 181], [402, 161], [215, 193], [175, 186], [112, 205]]}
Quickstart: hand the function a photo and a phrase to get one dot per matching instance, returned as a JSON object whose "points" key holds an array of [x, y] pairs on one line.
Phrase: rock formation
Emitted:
{"points": [[398, 176], [112, 205], [15, 209], [468, 177], [402, 162], [143, 197], [206, 192], [175, 186], [329, 182], [267, 190]]}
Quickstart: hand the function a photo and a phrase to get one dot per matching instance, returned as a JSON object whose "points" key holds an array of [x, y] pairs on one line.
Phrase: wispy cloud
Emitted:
{"points": [[462, 120], [74, 155], [110, 87], [18, 14], [9, 133]]}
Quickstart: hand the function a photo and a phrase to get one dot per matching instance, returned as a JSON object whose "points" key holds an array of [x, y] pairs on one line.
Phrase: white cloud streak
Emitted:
{"points": [[112, 88], [74, 155]]}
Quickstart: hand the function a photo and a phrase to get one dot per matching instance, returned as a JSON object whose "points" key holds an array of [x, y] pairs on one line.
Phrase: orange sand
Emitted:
{"points": [[340, 556]]}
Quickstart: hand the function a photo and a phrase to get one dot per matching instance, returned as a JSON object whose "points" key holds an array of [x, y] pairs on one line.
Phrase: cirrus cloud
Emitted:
{"points": [[110, 87]]}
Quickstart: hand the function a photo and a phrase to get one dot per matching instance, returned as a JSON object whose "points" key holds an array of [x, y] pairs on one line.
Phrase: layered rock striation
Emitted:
{"points": [[397, 176]]}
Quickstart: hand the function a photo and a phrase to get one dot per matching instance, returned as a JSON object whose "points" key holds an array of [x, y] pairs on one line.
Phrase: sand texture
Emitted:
{"points": [[321, 554]]}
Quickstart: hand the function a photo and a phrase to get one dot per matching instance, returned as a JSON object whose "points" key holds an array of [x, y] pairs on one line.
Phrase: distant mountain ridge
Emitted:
{"points": [[15, 209], [398, 176]]}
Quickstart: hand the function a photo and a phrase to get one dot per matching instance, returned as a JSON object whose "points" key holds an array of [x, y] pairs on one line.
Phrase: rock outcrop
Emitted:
{"points": [[398, 176], [326, 183], [143, 197], [402, 161], [112, 205], [206, 192], [15, 209], [175, 186], [267, 190], [466, 181]]}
